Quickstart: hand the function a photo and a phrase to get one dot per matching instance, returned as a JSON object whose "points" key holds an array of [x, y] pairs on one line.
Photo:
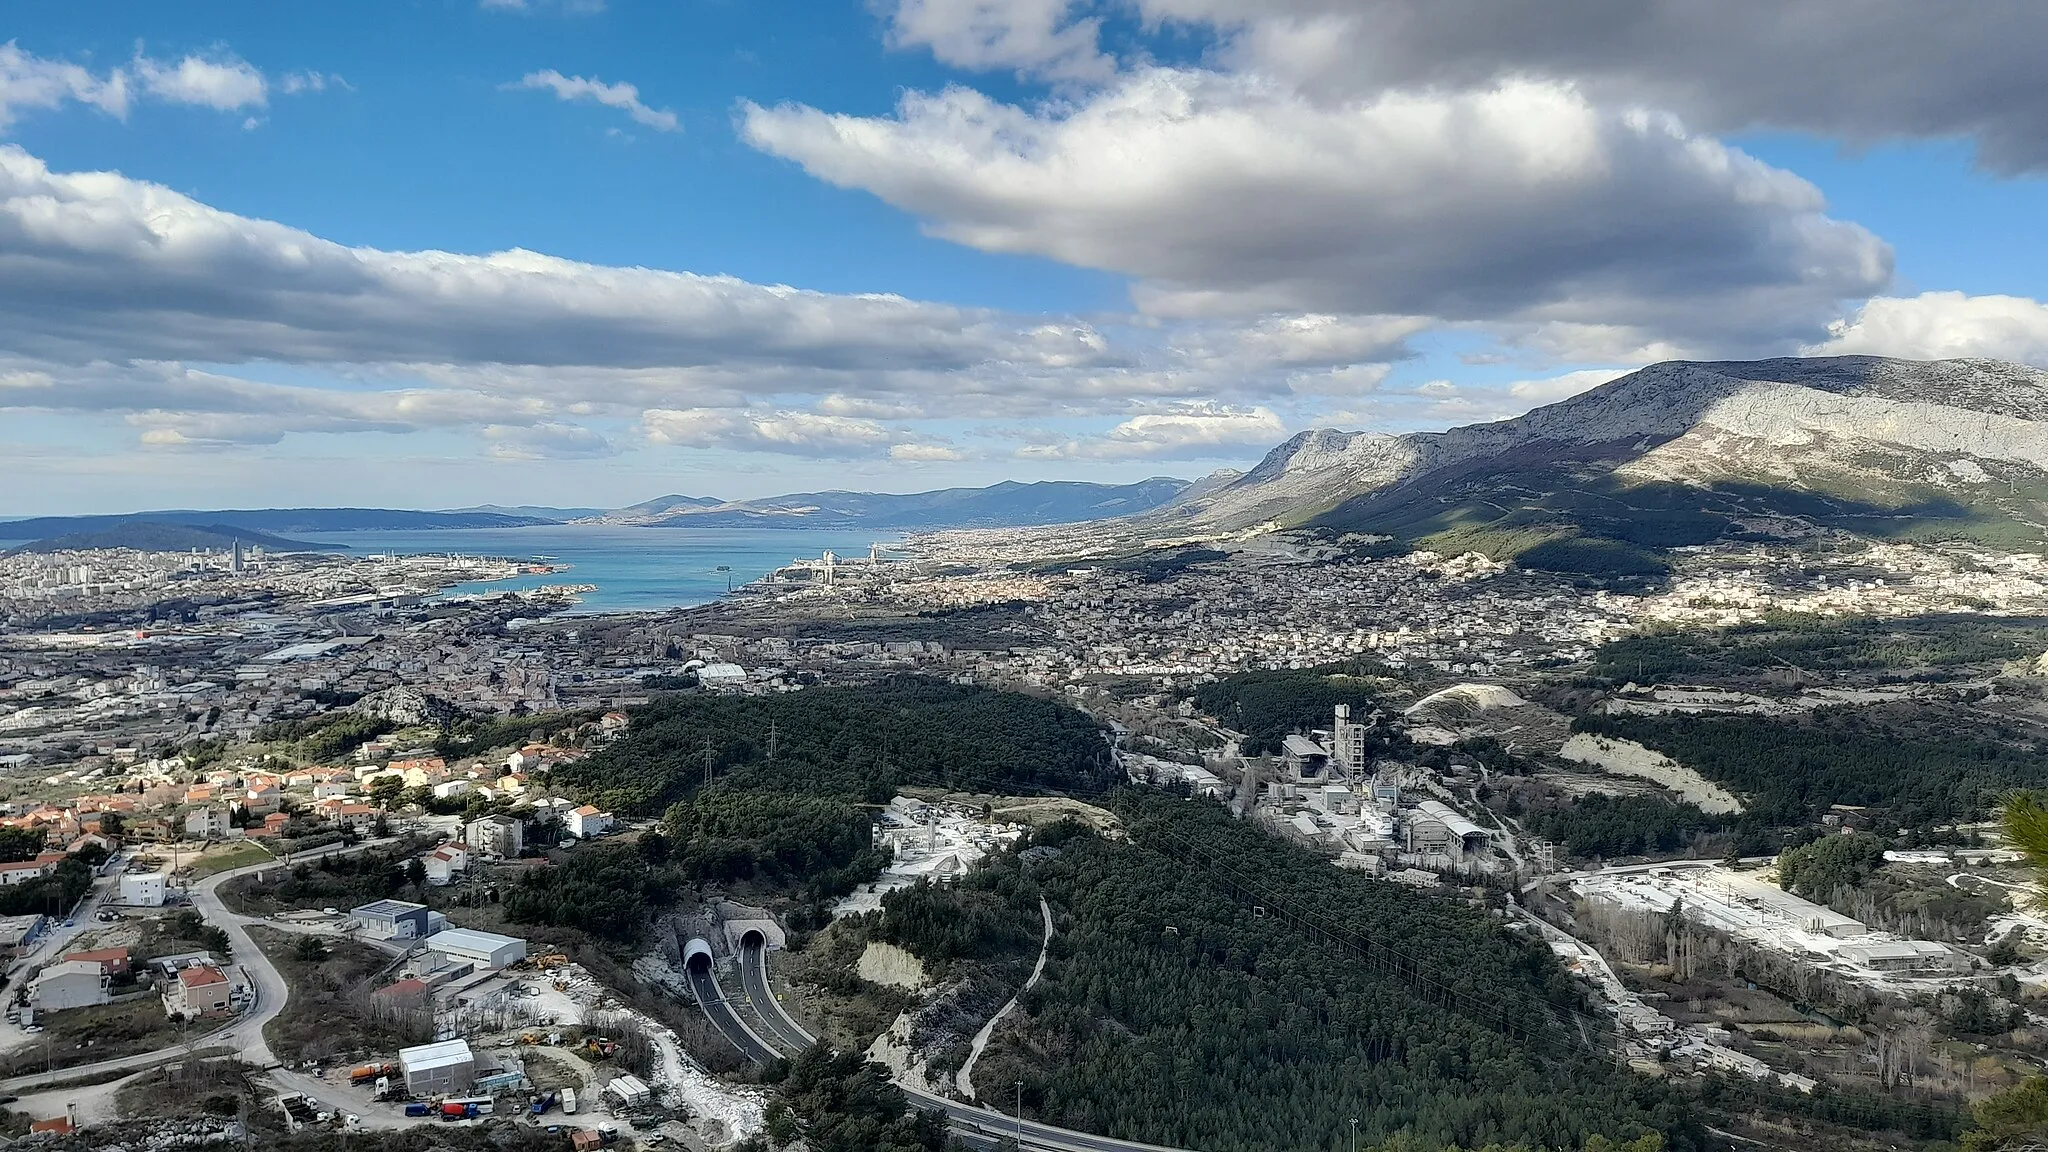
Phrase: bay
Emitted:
{"points": [[634, 569]]}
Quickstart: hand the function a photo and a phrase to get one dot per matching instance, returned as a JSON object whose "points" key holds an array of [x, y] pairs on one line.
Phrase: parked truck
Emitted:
{"points": [[417, 1108], [366, 1073], [568, 1101], [542, 1103]]}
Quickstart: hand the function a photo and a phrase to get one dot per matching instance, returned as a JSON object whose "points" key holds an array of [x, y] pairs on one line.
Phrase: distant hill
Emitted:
{"points": [[1007, 505], [150, 536], [286, 520], [648, 509], [528, 512], [1681, 453]]}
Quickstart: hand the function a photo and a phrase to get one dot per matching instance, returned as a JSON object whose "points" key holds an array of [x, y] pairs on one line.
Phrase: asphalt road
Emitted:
{"points": [[244, 1033], [967, 1119], [783, 1032], [705, 987]]}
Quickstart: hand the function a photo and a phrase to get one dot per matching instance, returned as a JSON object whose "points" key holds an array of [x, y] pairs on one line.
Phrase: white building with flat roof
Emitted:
{"points": [[484, 949], [446, 1068], [142, 889]]}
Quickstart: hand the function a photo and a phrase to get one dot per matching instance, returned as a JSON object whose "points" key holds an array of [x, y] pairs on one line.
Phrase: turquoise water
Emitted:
{"points": [[635, 569]]}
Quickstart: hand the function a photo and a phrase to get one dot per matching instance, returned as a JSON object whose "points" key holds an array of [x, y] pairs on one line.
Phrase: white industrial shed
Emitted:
{"points": [[484, 949], [442, 1069]]}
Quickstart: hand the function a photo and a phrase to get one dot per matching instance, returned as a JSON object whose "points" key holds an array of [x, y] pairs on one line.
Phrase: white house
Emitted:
{"points": [[207, 823], [445, 863], [449, 789], [143, 889], [587, 822], [69, 984]]}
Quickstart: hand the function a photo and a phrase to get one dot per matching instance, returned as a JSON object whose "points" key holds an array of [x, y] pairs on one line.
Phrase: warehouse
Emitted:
{"points": [[1905, 956], [484, 949], [1437, 829], [393, 919], [446, 1068]]}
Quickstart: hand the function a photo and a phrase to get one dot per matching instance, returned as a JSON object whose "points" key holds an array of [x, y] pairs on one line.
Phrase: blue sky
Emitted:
{"points": [[1110, 240]]}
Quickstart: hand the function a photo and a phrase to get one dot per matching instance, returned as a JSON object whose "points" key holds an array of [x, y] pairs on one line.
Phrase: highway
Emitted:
{"points": [[704, 986], [786, 1034], [966, 1119]]}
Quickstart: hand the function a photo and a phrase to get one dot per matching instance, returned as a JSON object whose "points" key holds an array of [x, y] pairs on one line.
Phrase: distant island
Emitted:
{"points": [[1010, 504], [151, 536]]}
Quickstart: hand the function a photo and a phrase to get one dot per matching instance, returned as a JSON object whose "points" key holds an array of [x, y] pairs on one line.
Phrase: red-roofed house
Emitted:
{"points": [[112, 961], [201, 990]]}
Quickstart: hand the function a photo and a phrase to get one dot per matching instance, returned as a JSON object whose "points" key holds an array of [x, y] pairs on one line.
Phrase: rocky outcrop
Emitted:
{"points": [[407, 708], [1951, 423]]}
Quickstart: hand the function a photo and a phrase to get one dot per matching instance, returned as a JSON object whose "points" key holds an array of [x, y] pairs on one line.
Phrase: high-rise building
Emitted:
{"points": [[235, 562]]}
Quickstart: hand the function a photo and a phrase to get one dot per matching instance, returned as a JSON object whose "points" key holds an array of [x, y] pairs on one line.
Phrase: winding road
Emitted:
{"points": [[971, 1120], [241, 1035]]}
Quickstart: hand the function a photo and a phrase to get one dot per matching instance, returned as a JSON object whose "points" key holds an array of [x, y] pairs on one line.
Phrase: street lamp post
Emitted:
{"points": [[1020, 1112], [1354, 1134]]}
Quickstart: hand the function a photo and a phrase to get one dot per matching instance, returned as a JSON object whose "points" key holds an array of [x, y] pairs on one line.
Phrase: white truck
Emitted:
{"points": [[568, 1101]]}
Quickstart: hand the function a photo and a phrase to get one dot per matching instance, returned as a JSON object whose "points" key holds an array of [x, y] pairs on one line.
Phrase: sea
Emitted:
{"points": [[634, 569]]}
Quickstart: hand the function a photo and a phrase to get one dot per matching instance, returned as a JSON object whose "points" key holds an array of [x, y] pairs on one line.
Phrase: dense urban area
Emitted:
{"points": [[1039, 839]]}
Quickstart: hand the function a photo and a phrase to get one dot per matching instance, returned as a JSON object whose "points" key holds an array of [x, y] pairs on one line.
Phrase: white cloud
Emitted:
{"points": [[622, 96], [926, 453], [546, 441], [94, 265], [1195, 431], [1036, 37], [223, 84], [1940, 325], [786, 432], [1229, 195], [1536, 393], [220, 81], [28, 81]]}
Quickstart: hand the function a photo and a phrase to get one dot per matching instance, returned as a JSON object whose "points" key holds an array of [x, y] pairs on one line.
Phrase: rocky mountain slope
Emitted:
{"points": [[1685, 452]]}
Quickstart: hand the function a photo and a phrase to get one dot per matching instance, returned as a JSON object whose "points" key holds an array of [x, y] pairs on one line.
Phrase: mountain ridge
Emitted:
{"points": [[1753, 446]]}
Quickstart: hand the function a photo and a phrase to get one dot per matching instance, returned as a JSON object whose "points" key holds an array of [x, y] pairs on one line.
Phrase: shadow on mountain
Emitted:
{"points": [[1578, 518]]}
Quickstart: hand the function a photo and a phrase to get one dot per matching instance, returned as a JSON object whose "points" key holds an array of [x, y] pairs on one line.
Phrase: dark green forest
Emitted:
{"points": [[610, 891], [1268, 706], [1820, 869], [1792, 644], [1608, 826], [843, 1102], [326, 737], [860, 740], [1178, 1009], [1922, 768]]}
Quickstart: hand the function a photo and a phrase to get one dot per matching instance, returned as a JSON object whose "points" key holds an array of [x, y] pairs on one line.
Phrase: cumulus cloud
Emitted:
{"points": [[95, 265], [28, 81], [1726, 66], [1195, 431], [224, 84], [1940, 325], [1037, 37], [622, 96], [1229, 194]]}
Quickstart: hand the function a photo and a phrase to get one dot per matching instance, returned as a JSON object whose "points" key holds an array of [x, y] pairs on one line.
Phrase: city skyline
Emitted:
{"points": [[578, 254]]}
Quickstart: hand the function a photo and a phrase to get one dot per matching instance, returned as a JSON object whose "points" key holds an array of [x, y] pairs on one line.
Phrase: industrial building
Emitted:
{"points": [[396, 920], [1435, 829], [1905, 956], [446, 1068], [484, 949]]}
